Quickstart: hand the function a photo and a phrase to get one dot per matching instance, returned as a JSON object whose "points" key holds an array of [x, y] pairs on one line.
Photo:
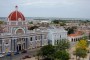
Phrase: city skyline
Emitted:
{"points": [[47, 8]]}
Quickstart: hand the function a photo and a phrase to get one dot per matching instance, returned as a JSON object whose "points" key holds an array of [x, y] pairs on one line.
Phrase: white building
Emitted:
{"points": [[56, 34]]}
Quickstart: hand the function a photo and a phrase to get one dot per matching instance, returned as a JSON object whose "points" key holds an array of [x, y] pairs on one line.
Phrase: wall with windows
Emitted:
{"points": [[54, 35]]}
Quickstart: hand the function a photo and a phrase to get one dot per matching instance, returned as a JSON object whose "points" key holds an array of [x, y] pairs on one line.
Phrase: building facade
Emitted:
{"points": [[56, 34], [16, 36], [76, 36]]}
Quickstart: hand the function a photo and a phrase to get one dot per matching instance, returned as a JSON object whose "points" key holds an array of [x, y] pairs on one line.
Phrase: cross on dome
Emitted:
{"points": [[16, 7]]}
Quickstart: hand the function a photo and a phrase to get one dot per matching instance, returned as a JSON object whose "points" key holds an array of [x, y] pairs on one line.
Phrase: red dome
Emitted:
{"points": [[16, 15]]}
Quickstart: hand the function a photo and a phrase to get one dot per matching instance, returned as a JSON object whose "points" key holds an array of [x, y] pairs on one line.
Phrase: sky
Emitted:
{"points": [[47, 8]]}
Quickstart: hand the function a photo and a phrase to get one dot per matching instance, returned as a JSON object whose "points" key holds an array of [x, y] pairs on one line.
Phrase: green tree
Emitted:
{"points": [[63, 45], [38, 54], [1, 22], [82, 44], [33, 27], [55, 21], [62, 24], [62, 55], [71, 29], [81, 49], [31, 22], [47, 52], [81, 52]]}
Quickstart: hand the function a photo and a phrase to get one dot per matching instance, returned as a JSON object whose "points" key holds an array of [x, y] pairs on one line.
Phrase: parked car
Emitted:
{"points": [[24, 51], [8, 54], [27, 56], [15, 53], [23, 58]]}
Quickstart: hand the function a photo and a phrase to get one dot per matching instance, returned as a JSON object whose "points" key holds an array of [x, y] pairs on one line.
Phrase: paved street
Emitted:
{"points": [[19, 56], [33, 52]]}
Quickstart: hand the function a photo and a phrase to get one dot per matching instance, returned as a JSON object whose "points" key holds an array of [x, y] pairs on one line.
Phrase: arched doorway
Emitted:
{"points": [[19, 47], [20, 44]]}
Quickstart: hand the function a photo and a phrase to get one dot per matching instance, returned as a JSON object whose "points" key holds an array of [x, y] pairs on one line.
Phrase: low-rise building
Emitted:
{"points": [[75, 36]]}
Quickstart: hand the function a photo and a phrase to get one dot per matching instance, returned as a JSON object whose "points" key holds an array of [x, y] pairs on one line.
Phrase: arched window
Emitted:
{"points": [[19, 19], [19, 31], [30, 38], [72, 39]]}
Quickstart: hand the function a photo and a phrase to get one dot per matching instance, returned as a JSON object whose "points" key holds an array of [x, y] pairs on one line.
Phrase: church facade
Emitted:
{"points": [[16, 36]]}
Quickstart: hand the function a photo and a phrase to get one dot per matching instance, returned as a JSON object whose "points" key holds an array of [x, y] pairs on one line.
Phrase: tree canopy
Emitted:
{"points": [[82, 44], [81, 52], [55, 21], [81, 48], [70, 30], [1, 22], [62, 55], [33, 27], [57, 52], [47, 51], [63, 45]]}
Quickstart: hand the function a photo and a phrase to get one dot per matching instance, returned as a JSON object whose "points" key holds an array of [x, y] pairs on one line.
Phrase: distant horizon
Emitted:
{"points": [[52, 18], [47, 8]]}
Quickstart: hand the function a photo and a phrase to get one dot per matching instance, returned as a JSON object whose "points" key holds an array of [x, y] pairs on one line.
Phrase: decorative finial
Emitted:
{"points": [[16, 7]]}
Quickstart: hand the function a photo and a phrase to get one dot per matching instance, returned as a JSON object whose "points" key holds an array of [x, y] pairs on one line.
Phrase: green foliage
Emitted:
{"points": [[57, 52], [71, 30], [62, 55], [81, 48], [81, 52], [1, 22], [33, 27], [62, 24], [31, 22], [47, 51], [84, 37], [82, 44], [63, 45], [55, 21]]}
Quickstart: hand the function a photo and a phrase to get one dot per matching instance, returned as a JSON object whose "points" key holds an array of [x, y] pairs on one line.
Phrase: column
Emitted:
{"points": [[25, 43], [17, 47], [3, 47], [21, 43], [11, 48], [22, 47], [34, 41], [15, 44]]}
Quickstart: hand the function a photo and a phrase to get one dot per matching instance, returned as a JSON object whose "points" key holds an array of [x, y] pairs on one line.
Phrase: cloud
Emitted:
{"points": [[47, 3], [70, 8]]}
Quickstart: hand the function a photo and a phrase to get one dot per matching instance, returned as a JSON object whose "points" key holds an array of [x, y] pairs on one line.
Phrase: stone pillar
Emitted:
{"points": [[17, 47], [3, 47], [21, 43], [22, 46], [16, 44], [25, 43]]}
